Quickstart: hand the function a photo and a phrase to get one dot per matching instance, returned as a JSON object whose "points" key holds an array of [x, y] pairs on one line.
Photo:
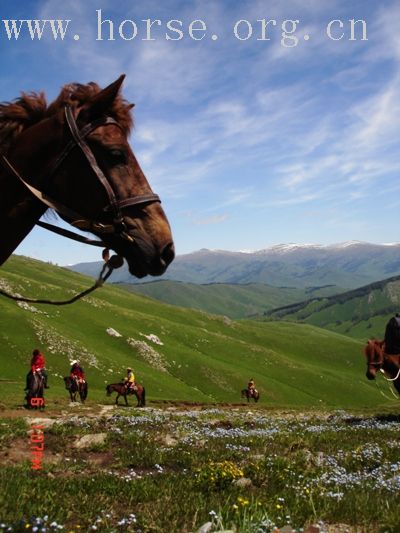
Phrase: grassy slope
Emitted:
{"points": [[232, 300], [208, 358]]}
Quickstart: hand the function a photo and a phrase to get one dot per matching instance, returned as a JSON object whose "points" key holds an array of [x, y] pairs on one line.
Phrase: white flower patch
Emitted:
{"points": [[149, 354], [113, 333], [59, 345], [5, 286], [153, 338], [26, 307]]}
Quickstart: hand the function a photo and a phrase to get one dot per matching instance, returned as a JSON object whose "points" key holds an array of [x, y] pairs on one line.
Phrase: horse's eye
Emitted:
{"points": [[117, 157]]}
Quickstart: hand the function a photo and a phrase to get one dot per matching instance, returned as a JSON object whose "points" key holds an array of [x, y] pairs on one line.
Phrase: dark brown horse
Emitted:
{"points": [[73, 156], [246, 393], [35, 395], [121, 390], [75, 387], [377, 359]]}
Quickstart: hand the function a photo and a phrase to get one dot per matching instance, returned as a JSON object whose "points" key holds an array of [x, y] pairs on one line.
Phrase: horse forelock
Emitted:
{"points": [[20, 114], [77, 95]]}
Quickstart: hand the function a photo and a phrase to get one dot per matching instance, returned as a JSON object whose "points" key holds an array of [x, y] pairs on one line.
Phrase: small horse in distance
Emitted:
{"points": [[73, 156], [377, 359], [246, 393], [35, 394], [121, 390], [75, 387]]}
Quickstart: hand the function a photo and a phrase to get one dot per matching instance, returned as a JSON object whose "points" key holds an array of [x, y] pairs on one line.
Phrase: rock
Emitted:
{"points": [[113, 333], [90, 440], [242, 482], [153, 338], [45, 422], [319, 461], [170, 441]]}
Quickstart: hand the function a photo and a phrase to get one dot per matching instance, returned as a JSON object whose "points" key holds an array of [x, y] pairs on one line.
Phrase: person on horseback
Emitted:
{"points": [[129, 380], [38, 365], [77, 372], [251, 386], [392, 336]]}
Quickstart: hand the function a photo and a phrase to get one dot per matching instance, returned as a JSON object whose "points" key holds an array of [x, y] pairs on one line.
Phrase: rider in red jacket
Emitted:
{"points": [[38, 362], [38, 365], [77, 371]]}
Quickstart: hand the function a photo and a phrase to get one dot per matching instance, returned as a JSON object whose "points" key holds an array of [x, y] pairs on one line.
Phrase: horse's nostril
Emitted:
{"points": [[168, 253]]}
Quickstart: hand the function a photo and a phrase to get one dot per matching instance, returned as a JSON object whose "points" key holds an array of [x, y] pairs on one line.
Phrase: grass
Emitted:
{"points": [[203, 358], [296, 458], [171, 471]]}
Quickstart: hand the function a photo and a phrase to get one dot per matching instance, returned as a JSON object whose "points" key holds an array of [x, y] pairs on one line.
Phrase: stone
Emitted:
{"points": [[90, 440]]}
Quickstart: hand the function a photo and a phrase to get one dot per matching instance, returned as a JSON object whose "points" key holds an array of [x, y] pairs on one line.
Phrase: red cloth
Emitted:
{"points": [[77, 372], [38, 362]]}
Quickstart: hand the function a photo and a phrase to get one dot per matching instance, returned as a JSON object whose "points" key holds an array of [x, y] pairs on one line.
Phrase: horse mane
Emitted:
{"points": [[18, 115], [30, 108]]}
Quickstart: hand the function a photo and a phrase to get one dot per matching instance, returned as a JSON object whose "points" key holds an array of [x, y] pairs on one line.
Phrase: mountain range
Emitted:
{"points": [[347, 265]]}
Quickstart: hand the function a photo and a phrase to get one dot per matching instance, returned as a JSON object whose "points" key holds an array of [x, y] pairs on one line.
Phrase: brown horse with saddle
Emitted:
{"points": [[122, 390]]}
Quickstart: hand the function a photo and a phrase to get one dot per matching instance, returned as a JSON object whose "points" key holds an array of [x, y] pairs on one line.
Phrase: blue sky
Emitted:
{"points": [[249, 143]]}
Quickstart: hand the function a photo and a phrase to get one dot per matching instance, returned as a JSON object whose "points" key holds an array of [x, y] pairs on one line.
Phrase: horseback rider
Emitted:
{"points": [[251, 386], [77, 372], [129, 380], [38, 366], [392, 335]]}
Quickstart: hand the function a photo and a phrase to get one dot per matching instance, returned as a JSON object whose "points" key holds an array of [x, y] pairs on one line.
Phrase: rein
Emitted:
{"points": [[380, 364], [115, 261], [390, 379]]}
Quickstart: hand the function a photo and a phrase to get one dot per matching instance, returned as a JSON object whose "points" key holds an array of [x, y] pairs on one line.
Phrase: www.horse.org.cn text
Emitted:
{"points": [[287, 31]]}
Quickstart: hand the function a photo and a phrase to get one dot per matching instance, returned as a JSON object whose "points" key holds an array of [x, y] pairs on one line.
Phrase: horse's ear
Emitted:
{"points": [[105, 98]]}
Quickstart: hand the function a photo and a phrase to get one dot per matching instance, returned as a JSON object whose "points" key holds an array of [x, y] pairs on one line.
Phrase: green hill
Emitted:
{"points": [[232, 300], [360, 313], [202, 357]]}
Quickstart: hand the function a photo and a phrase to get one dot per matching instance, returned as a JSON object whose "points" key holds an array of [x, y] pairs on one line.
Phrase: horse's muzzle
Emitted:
{"points": [[154, 266], [370, 375]]}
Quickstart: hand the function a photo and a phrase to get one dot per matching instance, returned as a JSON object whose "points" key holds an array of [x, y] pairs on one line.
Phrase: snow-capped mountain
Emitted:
{"points": [[348, 265]]}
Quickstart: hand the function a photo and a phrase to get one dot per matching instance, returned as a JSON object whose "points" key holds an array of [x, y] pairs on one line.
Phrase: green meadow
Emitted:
{"points": [[177, 353], [318, 453]]}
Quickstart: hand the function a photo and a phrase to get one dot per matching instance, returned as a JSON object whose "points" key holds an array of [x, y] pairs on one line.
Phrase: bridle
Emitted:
{"points": [[114, 206], [379, 365]]}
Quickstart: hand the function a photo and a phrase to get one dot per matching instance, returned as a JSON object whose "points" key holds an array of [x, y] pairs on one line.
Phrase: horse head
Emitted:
{"points": [[76, 151], [374, 354]]}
